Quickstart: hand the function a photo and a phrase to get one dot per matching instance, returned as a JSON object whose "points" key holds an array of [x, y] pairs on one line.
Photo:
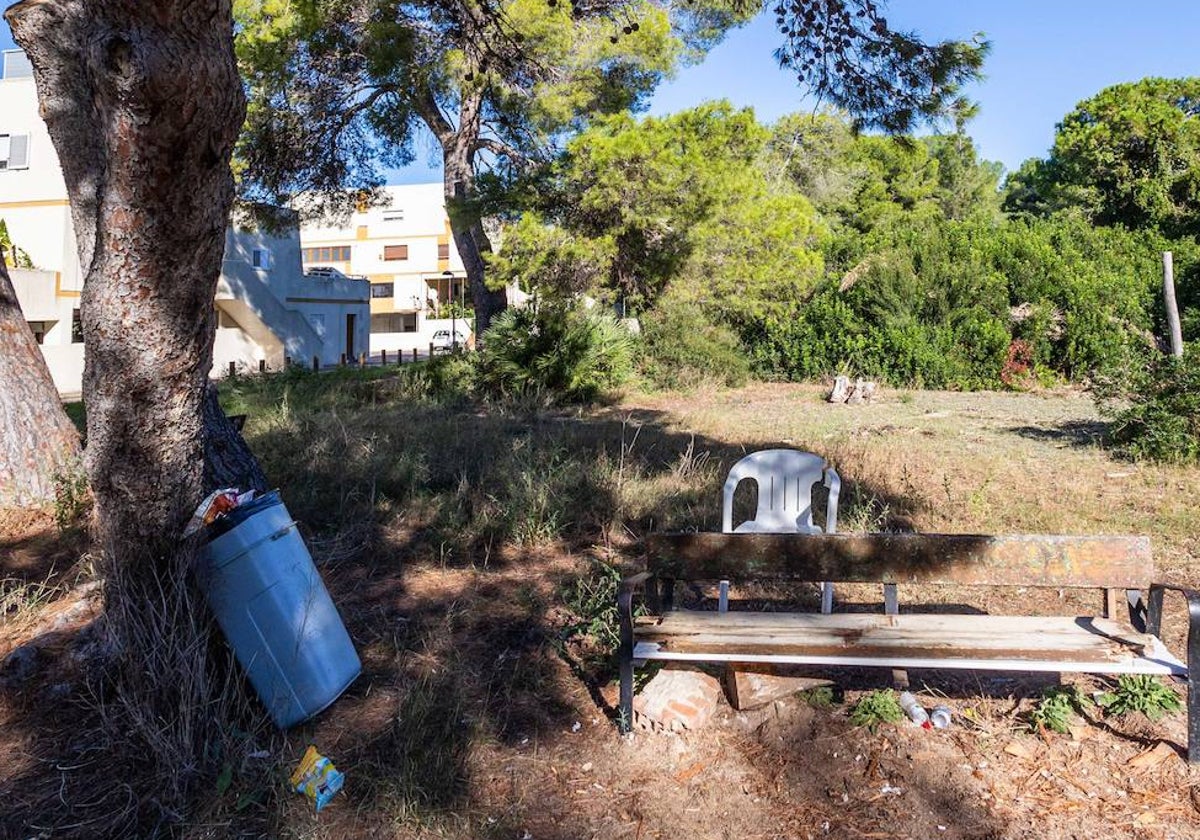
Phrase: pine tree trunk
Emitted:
{"points": [[143, 103], [467, 228], [228, 462], [38, 442]]}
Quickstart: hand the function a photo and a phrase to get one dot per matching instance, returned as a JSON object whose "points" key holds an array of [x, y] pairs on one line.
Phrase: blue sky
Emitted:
{"points": [[1047, 55]]}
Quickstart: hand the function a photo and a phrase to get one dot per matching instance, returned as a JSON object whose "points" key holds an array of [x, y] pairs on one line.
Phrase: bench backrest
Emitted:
{"points": [[962, 559]]}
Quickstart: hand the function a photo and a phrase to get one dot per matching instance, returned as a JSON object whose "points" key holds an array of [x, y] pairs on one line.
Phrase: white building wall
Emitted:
{"points": [[415, 218], [267, 309]]}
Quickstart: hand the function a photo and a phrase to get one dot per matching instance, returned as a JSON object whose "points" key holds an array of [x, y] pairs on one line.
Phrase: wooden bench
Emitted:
{"points": [[1125, 640]]}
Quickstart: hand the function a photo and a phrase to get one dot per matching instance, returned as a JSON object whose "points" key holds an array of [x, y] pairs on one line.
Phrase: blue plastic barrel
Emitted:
{"points": [[261, 584]]}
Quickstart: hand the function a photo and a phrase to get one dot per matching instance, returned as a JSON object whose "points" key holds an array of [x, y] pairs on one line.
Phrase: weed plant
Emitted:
{"points": [[593, 600], [1057, 707], [821, 697], [1139, 693], [875, 708]]}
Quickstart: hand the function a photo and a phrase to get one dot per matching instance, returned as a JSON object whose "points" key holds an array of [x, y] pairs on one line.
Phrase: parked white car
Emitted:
{"points": [[444, 342]]}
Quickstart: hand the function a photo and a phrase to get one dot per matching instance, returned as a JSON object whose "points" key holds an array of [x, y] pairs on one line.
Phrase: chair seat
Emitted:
{"points": [[986, 642]]}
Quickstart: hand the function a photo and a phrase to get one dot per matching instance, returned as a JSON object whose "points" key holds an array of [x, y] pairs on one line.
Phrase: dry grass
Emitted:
{"points": [[449, 536]]}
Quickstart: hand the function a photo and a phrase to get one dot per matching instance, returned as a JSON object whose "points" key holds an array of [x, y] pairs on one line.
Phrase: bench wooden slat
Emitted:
{"points": [[965, 559], [1088, 645]]}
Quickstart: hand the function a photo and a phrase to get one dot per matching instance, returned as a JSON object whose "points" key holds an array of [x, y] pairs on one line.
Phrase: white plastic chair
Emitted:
{"points": [[785, 478]]}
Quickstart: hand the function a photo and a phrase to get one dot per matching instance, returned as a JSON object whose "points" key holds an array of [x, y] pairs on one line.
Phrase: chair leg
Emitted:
{"points": [[826, 598]]}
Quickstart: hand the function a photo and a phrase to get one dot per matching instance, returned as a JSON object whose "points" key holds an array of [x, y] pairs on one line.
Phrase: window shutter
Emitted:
{"points": [[18, 151]]}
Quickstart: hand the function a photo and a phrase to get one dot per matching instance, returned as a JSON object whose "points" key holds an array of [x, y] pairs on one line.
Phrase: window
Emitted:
{"points": [[395, 252], [260, 258], [394, 323], [383, 290], [14, 151], [394, 215], [40, 328], [16, 65], [335, 254], [76, 327], [444, 252], [318, 323]]}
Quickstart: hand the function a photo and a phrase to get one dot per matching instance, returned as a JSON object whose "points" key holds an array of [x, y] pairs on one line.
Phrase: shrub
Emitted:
{"points": [[1161, 421], [555, 354], [938, 303], [682, 348]]}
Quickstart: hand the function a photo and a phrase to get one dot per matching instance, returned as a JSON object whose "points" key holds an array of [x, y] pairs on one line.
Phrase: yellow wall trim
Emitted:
{"points": [[58, 289], [399, 240], [47, 202]]}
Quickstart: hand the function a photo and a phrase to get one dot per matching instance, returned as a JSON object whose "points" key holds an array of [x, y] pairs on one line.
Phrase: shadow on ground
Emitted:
{"points": [[1077, 433], [446, 538]]}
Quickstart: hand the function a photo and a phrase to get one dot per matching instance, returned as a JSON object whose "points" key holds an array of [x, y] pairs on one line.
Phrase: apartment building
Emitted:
{"points": [[267, 308], [404, 249]]}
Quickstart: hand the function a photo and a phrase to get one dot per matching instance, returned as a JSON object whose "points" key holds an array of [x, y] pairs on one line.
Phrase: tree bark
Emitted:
{"points": [[459, 146], [228, 461], [38, 442], [143, 103], [467, 228]]}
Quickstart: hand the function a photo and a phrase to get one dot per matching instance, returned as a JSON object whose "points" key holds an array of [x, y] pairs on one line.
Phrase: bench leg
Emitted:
{"points": [[625, 654], [625, 705]]}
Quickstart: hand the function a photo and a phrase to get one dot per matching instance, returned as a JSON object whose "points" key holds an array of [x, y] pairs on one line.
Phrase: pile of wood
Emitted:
{"points": [[852, 393]]}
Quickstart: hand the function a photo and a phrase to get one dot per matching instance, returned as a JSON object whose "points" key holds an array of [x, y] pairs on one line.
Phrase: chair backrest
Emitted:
{"points": [[785, 478]]}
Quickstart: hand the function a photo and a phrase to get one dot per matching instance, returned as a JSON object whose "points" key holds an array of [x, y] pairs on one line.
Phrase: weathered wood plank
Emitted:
{"points": [[909, 641], [1018, 642], [969, 559]]}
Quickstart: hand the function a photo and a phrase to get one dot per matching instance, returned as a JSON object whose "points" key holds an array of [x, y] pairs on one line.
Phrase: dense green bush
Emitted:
{"points": [[555, 353], [1161, 420], [940, 304], [682, 349]]}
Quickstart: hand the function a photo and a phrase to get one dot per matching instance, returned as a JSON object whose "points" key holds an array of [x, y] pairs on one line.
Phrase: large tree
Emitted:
{"points": [[341, 86], [143, 104], [39, 447], [1129, 155], [641, 208]]}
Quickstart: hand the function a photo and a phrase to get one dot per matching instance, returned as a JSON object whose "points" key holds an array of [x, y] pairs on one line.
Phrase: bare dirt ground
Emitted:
{"points": [[476, 718]]}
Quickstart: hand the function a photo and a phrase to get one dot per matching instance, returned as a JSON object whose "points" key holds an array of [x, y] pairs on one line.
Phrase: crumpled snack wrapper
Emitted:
{"points": [[317, 778], [216, 504]]}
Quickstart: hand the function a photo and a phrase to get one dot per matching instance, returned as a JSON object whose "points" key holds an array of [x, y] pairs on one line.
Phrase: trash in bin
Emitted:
{"points": [[216, 505], [273, 608], [317, 778]]}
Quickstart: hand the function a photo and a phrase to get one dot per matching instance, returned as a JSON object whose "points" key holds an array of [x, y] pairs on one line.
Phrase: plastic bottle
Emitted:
{"points": [[940, 717], [913, 709]]}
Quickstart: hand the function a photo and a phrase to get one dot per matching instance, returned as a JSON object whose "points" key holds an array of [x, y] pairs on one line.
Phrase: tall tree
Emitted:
{"points": [[1129, 155], [38, 443], [143, 104], [341, 86]]}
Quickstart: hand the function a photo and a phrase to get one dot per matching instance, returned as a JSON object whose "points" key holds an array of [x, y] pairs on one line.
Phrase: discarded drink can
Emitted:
{"points": [[940, 717], [913, 709]]}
